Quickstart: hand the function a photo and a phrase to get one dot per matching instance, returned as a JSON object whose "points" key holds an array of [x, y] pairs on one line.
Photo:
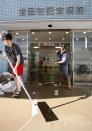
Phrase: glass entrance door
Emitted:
{"points": [[82, 57], [42, 62], [43, 47], [43, 56]]}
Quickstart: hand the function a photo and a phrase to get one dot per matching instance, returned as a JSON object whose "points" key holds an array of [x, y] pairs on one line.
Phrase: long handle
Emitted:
{"points": [[33, 102], [19, 79]]}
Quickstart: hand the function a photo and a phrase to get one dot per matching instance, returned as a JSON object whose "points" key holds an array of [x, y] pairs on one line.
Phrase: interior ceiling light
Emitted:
{"points": [[63, 38], [49, 32], [57, 47], [17, 33], [33, 33], [77, 38], [84, 32], [23, 39], [36, 47], [67, 32], [62, 45], [36, 38]]}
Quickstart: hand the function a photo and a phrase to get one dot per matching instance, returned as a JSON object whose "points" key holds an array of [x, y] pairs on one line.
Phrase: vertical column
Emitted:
{"points": [[85, 42], [3, 61], [73, 54]]}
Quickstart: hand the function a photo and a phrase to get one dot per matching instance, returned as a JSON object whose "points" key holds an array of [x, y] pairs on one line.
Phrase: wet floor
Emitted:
{"points": [[59, 109], [46, 91], [74, 114]]}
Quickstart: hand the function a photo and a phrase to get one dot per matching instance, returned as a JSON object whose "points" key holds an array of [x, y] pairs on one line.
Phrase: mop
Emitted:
{"points": [[51, 75], [33, 102], [47, 113], [50, 78]]}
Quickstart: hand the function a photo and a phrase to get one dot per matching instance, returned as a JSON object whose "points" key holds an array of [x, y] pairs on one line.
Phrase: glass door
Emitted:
{"points": [[43, 47], [42, 58], [82, 57]]}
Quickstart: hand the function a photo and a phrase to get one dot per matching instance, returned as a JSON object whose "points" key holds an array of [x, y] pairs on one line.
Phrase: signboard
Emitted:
{"points": [[12, 10], [52, 11]]}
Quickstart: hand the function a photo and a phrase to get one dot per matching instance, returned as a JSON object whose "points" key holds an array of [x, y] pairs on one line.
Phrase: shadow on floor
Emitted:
{"points": [[83, 97]]}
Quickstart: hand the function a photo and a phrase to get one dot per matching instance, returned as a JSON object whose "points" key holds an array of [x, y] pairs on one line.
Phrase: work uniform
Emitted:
{"points": [[64, 66], [12, 53], [63, 76]]}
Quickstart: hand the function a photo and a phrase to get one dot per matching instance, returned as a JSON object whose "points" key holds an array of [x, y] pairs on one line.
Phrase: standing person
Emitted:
{"points": [[15, 56], [63, 68]]}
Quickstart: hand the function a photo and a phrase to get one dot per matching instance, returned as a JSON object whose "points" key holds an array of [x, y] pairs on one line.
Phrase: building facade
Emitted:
{"points": [[70, 23]]}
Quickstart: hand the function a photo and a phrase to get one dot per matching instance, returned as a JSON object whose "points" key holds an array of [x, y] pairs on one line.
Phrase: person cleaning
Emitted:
{"points": [[15, 56]]}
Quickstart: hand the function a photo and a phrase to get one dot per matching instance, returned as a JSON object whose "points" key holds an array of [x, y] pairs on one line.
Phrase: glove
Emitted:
{"points": [[14, 70]]}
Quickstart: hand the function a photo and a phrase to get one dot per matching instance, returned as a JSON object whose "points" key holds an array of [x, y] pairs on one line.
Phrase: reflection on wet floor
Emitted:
{"points": [[52, 91]]}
